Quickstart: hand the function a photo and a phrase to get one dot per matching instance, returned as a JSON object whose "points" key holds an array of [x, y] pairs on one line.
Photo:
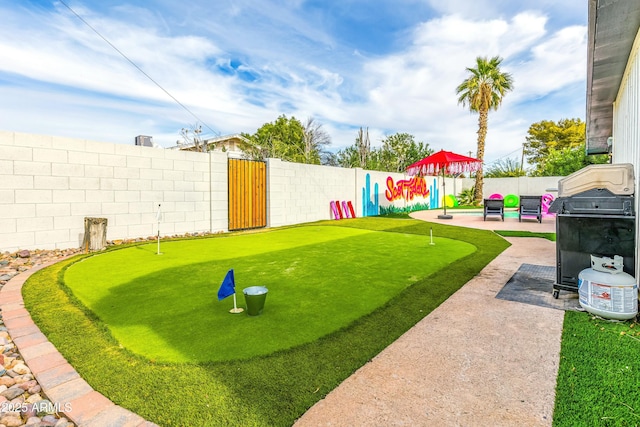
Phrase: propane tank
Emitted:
{"points": [[606, 290]]}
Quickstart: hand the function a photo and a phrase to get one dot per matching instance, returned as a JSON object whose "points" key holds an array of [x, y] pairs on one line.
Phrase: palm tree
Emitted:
{"points": [[481, 91], [505, 168]]}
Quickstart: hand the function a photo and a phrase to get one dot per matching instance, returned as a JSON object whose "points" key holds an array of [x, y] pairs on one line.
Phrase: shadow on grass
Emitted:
{"points": [[265, 391]]}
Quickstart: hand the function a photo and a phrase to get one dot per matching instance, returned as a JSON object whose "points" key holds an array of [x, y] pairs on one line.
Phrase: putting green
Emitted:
{"points": [[320, 279]]}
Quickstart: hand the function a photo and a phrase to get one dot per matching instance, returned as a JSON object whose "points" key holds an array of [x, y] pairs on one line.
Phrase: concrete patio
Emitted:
{"points": [[474, 361]]}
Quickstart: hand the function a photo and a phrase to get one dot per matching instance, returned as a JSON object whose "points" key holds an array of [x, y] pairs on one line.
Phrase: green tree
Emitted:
{"points": [[565, 161], [348, 157], [396, 153], [482, 91], [506, 168], [547, 135], [400, 150], [288, 139], [358, 155]]}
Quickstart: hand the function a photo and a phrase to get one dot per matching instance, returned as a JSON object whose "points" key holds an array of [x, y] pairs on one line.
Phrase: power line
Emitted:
{"points": [[138, 68], [505, 156]]}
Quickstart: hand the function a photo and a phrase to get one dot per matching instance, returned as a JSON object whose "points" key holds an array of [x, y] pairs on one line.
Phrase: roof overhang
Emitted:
{"points": [[225, 138], [210, 141], [613, 25]]}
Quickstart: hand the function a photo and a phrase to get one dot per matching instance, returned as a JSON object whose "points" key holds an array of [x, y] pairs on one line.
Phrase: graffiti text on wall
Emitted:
{"points": [[406, 189]]}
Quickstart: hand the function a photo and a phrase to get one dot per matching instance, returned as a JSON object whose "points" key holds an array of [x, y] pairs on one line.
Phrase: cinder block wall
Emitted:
{"points": [[298, 193], [521, 186], [48, 185]]}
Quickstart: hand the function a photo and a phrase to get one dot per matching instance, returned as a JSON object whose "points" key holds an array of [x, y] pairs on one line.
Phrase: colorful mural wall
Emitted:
{"points": [[406, 188], [400, 194], [370, 201]]}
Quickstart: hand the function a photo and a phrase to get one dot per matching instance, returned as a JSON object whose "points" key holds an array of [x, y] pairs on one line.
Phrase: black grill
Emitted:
{"points": [[596, 221]]}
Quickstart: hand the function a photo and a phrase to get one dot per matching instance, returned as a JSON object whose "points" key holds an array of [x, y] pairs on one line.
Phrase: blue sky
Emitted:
{"points": [[389, 65]]}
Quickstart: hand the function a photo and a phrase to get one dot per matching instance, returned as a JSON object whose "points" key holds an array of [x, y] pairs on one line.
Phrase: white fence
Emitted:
{"points": [[48, 185]]}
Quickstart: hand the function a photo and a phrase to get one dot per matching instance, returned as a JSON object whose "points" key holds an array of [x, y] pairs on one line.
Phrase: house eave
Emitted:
{"points": [[613, 25]]}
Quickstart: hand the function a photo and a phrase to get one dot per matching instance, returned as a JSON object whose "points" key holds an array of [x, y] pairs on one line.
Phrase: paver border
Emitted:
{"points": [[59, 381]]}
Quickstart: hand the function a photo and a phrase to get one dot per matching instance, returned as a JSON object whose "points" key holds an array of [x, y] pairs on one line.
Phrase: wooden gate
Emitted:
{"points": [[247, 194]]}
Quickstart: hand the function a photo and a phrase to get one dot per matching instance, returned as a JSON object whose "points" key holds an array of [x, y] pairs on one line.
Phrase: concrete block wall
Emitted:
{"points": [[521, 186], [218, 188], [48, 185], [299, 193]]}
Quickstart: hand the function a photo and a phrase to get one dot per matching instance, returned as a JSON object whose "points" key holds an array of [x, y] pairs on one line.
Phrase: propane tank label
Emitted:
{"points": [[583, 291], [617, 299]]}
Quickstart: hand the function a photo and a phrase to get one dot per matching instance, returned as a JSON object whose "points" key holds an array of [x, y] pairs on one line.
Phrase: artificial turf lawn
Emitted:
{"points": [[522, 233], [320, 279], [271, 390], [599, 373]]}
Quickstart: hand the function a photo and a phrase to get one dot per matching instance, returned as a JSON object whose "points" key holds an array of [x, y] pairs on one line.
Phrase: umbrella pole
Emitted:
{"points": [[444, 200], [444, 193]]}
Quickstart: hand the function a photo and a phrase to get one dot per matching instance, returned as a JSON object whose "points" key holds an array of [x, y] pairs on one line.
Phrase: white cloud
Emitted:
{"points": [[555, 63], [299, 69], [414, 90]]}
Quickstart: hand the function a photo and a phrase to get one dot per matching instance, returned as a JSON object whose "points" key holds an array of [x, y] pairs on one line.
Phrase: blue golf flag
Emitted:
{"points": [[228, 286]]}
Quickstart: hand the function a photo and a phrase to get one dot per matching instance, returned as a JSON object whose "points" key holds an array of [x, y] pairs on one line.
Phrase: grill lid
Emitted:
{"points": [[597, 201], [618, 178]]}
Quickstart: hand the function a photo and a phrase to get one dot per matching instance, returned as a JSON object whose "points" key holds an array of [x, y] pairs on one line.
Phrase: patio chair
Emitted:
{"points": [[530, 206], [494, 207]]}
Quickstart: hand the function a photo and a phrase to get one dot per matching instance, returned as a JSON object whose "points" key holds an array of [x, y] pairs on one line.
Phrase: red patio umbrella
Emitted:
{"points": [[447, 162]]}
